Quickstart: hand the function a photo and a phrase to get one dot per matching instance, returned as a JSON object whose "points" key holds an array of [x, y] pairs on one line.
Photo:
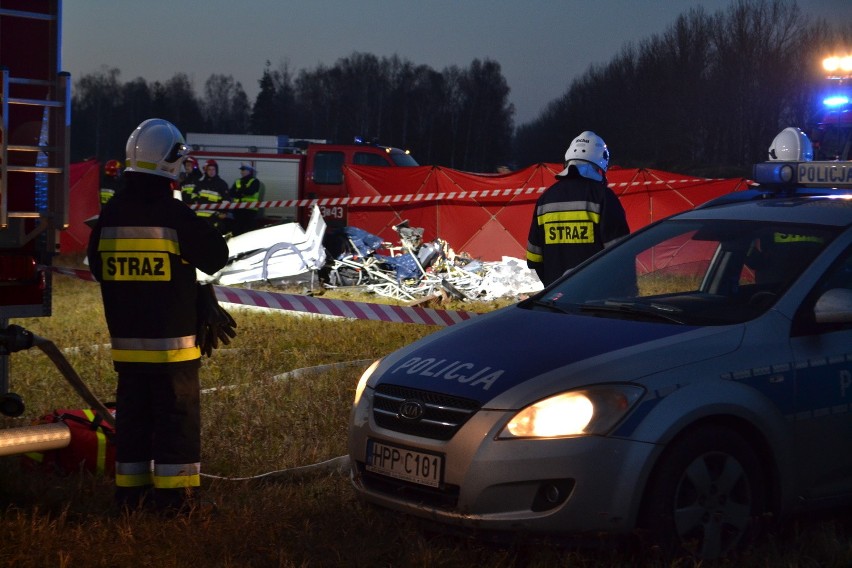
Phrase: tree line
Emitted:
{"points": [[705, 96], [460, 118], [708, 95]]}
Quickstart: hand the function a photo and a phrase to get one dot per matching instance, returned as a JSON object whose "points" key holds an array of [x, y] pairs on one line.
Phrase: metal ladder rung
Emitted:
{"points": [[36, 102], [35, 169], [35, 82], [25, 14], [24, 214], [20, 148]]}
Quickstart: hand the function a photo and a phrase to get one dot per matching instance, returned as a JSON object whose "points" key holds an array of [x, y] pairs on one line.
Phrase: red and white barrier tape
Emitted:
{"points": [[320, 306], [341, 308], [419, 197]]}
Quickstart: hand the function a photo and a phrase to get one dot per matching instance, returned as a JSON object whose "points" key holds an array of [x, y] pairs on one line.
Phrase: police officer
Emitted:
{"points": [[577, 216], [246, 189], [144, 250]]}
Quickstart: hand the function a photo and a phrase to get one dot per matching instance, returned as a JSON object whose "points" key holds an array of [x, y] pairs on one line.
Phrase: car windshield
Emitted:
{"points": [[692, 272]]}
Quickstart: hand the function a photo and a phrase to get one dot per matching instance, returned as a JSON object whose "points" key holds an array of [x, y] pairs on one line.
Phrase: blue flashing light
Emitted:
{"points": [[836, 101]]}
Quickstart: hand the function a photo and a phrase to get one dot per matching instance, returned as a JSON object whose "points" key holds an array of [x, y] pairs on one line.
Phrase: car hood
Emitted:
{"points": [[483, 358]]}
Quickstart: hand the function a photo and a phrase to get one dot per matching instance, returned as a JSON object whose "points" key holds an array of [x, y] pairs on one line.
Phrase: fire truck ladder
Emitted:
{"points": [[35, 113], [51, 151]]}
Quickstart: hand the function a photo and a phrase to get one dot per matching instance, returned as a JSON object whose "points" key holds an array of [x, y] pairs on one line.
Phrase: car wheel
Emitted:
{"points": [[705, 495]]}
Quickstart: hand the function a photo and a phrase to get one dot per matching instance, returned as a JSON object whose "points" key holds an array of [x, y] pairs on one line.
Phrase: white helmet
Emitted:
{"points": [[791, 145], [156, 147], [588, 147]]}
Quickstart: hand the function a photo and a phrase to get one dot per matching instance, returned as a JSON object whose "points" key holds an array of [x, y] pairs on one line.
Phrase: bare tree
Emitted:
{"points": [[225, 105]]}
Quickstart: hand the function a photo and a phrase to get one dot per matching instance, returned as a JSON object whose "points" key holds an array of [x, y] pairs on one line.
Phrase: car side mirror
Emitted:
{"points": [[834, 306]]}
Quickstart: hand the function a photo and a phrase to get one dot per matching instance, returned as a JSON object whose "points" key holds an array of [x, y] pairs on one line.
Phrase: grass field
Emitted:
{"points": [[259, 424]]}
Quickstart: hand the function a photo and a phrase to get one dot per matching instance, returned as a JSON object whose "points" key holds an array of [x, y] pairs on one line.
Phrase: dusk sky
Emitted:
{"points": [[541, 46]]}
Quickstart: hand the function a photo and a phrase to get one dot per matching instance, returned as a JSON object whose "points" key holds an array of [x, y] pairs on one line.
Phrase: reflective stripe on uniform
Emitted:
{"points": [[568, 222], [248, 197], [35, 456], [177, 476], [100, 463], [210, 195], [534, 253], [158, 239], [558, 216], [557, 206], [134, 474], [155, 350]]}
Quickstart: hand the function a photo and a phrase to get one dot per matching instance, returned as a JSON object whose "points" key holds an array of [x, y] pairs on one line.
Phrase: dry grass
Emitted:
{"points": [[256, 422]]}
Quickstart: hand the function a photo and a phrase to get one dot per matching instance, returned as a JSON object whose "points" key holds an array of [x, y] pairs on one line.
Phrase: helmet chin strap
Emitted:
{"points": [[586, 169]]}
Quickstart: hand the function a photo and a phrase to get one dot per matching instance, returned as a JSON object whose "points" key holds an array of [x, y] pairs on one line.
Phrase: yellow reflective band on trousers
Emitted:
{"points": [[177, 476], [155, 350], [134, 474], [100, 464]]}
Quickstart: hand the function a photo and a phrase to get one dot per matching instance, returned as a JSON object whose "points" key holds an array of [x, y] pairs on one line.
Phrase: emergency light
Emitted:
{"points": [[836, 101], [821, 174], [838, 66]]}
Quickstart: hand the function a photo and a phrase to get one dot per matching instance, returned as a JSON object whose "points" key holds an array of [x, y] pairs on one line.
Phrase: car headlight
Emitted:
{"points": [[592, 410], [362, 382]]}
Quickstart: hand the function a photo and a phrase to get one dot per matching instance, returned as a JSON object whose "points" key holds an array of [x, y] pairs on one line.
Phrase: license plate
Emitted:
{"points": [[402, 463]]}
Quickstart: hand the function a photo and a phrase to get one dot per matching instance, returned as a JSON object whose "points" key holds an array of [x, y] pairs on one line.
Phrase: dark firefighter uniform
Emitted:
{"points": [[187, 183], [211, 189], [246, 189], [144, 250], [575, 218]]}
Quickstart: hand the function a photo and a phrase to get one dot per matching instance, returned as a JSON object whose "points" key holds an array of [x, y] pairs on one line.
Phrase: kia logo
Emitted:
{"points": [[411, 410]]}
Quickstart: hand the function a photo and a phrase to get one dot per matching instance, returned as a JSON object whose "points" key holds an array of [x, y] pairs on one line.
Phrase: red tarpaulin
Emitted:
{"points": [[495, 221], [84, 202]]}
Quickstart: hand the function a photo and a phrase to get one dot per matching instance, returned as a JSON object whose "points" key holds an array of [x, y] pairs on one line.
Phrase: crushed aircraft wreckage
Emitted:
{"points": [[349, 257]]}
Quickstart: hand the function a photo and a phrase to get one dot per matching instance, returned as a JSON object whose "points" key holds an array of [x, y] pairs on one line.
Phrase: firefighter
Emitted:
{"points": [[112, 181], [791, 145], [247, 189], [211, 188], [577, 216], [144, 250], [188, 179]]}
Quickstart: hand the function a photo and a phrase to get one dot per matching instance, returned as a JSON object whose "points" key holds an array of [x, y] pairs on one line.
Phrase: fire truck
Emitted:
{"points": [[294, 169], [35, 103], [832, 136]]}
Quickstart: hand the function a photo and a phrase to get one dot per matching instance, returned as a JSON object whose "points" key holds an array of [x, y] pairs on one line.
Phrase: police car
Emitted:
{"points": [[686, 381]]}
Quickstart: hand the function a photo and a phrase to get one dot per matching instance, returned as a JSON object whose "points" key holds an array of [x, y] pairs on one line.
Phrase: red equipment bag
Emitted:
{"points": [[91, 448]]}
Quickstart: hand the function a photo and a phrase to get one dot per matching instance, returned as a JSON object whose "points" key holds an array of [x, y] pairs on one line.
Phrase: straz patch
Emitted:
{"points": [[569, 232], [136, 266]]}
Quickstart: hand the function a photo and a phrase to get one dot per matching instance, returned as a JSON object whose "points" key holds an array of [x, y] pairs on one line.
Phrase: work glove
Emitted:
{"points": [[214, 323]]}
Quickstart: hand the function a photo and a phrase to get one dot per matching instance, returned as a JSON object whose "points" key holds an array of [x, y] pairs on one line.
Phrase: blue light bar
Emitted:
{"points": [[836, 101]]}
